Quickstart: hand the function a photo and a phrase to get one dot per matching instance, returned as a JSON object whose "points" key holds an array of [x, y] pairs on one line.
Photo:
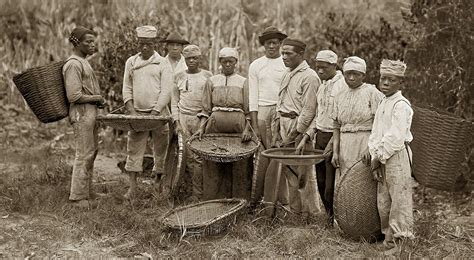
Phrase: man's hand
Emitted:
{"points": [[328, 152], [101, 102], [276, 141], [301, 145], [335, 160], [155, 113], [366, 157]]}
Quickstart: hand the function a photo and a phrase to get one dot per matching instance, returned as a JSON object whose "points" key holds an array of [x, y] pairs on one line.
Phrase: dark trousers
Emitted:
{"points": [[325, 175]]}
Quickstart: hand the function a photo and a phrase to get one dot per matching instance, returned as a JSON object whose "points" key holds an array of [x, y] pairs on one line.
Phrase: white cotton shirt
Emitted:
{"points": [[391, 129], [265, 76]]}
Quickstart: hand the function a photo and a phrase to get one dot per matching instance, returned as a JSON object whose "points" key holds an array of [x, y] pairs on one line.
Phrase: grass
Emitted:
{"points": [[128, 229]]}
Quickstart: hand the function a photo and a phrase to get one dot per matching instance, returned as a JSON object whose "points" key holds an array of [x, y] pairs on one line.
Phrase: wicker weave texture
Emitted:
{"points": [[43, 89], [440, 143], [355, 204], [222, 147], [204, 218], [137, 123]]}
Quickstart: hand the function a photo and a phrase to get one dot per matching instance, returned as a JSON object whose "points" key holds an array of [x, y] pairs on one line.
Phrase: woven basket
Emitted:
{"points": [[137, 123], [222, 147], [355, 204], [440, 143], [43, 89], [204, 218]]}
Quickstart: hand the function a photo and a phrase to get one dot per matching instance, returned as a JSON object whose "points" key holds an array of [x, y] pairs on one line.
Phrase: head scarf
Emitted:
{"points": [[294, 42], [393, 67], [327, 56], [78, 33], [228, 52], [354, 63], [146, 31], [191, 51]]}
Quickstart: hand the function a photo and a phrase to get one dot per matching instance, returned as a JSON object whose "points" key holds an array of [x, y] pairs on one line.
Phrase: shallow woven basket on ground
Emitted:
{"points": [[222, 147], [137, 123], [355, 204], [204, 218], [440, 142], [43, 89]]}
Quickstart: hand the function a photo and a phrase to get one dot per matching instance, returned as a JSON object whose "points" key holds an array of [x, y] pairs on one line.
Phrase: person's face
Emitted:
{"points": [[87, 44], [325, 70], [174, 49], [354, 78], [146, 47], [272, 48], [390, 84], [192, 62], [291, 58], [228, 65]]}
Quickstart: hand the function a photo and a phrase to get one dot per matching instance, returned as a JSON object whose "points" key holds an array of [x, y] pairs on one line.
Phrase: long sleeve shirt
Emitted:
{"points": [[225, 93], [147, 82], [79, 79], [265, 76], [391, 128], [187, 93], [298, 95], [354, 109], [327, 92]]}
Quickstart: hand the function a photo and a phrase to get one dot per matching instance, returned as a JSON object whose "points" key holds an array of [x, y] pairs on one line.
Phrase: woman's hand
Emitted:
{"points": [[246, 134], [366, 157]]}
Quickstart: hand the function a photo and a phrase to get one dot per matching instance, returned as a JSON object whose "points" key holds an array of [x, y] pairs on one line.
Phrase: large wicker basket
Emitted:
{"points": [[355, 204], [222, 147], [43, 89], [204, 218], [175, 165], [440, 143], [137, 123]]}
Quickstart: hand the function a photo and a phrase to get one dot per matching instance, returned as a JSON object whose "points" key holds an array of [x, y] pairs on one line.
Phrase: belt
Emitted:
{"points": [[291, 115]]}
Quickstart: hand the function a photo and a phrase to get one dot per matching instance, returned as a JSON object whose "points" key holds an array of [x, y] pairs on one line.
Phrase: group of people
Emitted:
{"points": [[283, 102]]}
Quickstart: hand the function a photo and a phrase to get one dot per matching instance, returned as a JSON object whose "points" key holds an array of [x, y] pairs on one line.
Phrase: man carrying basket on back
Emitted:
{"points": [[146, 91]]}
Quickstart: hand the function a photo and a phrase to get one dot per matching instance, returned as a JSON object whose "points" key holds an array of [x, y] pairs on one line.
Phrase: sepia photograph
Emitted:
{"points": [[212, 129]]}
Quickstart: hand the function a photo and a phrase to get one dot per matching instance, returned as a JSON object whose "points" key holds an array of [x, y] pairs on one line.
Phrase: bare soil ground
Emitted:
{"points": [[36, 219]]}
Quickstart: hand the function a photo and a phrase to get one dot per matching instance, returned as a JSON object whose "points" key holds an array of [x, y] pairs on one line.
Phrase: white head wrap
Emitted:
{"points": [[146, 31], [393, 67], [327, 56], [228, 52], [191, 51], [354, 63]]}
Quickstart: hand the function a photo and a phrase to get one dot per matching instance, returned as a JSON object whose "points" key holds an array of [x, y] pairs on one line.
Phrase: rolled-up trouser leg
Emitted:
{"points": [[136, 146]]}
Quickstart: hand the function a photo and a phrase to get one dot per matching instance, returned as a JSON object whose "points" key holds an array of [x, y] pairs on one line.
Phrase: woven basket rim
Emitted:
{"points": [[240, 203], [133, 117], [437, 112], [220, 156], [268, 153]]}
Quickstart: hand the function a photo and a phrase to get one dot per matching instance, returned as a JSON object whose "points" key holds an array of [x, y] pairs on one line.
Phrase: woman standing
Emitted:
{"points": [[354, 112], [83, 94], [225, 110]]}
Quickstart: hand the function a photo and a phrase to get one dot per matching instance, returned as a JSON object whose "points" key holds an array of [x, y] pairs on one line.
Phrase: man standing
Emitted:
{"points": [[295, 111], [186, 103], [323, 125], [174, 45], [265, 75], [145, 91], [83, 93]]}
